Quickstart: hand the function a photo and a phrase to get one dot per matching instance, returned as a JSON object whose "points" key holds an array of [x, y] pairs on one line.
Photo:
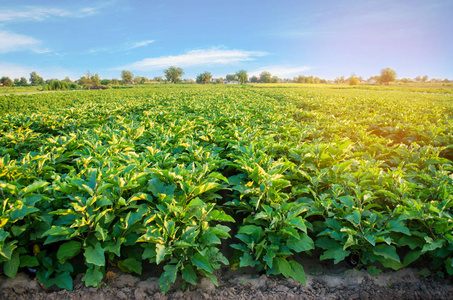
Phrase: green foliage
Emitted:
{"points": [[158, 173], [173, 74], [242, 76], [204, 78], [127, 77], [387, 75]]}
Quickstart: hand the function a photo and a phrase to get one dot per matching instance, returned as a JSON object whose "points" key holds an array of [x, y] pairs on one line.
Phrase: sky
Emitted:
{"points": [[287, 38]]}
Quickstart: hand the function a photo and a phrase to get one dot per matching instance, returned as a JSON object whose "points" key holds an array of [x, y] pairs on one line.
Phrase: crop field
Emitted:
{"points": [[188, 178]]}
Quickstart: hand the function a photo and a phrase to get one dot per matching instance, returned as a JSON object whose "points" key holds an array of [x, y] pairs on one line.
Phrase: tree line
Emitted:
{"points": [[174, 75]]}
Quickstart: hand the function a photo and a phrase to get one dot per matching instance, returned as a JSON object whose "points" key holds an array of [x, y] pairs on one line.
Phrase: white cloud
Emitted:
{"points": [[31, 13], [17, 71], [211, 56], [141, 44], [281, 71], [10, 42]]}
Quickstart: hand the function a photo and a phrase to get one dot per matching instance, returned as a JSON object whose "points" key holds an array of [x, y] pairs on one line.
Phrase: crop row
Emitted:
{"points": [[172, 175]]}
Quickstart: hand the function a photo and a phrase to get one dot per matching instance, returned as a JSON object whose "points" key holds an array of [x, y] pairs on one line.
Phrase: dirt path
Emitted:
{"points": [[323, 283]]}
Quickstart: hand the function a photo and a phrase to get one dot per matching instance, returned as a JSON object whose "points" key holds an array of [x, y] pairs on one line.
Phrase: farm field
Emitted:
{"points": [[192, 179]]}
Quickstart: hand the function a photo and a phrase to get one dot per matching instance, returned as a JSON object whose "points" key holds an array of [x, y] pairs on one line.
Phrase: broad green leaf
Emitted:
{"points": [[298, 272], [34, 186], [11, 266], [247, 261], [62, 280], [373, 270], [130, 265], [68, 250], [8, 249], [387, 251], [161, 251], [304, 243], [411, 256], [28, 261], [201, 262], [93, 276], [397, 226], [189, 275], [337, 254], [283, 266], [95, 255]]}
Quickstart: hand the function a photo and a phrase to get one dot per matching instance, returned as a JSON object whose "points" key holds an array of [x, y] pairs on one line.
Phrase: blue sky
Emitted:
{"points": [[287, 38]]}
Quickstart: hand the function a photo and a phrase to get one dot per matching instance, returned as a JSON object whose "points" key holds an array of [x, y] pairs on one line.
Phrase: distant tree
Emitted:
{"points": [[231, 77], [387, 75], [317, 80], [67, 80], [218, 81], [446, 80], [158, 79], [96, 79], [265, 77], [242, 76], [85, 80], [16, 82], [173, 74], [23, 81], [114, 81], [105, 81], [353, 80], [35, 79], [127, 77], [404, 80], [204, 78], [275, 79], [6, 81], [425, 78], [254, 79]]}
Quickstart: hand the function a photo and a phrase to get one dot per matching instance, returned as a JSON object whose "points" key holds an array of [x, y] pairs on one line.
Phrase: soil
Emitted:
{"points": [[324, 281]]}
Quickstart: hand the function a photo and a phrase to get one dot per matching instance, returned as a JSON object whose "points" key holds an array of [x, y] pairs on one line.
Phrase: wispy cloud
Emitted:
{"points": [[34, 13], [16, 71], [10, 42], [141, 44], [281, 71], [211, 56]]}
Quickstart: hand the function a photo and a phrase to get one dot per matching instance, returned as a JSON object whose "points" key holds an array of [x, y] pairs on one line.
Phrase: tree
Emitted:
{"points": [[242, 76], [6, 81], [96, 79], [204, 77], [265, 77], [425, 78], [23, 81], [231, 77], [127, 77], [35, 79], [158, 79], [254, 79], [114, 81], [173, 74], [353, 80], [387, 75], [16, 82]]}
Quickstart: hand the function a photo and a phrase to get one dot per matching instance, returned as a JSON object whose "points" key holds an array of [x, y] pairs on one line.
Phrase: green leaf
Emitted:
{"points": [[34, 186], [93, 276], [432, 245], [95, 255], [130, 265], [161, 251], [58, 230], [201, 262], [387, 251], [62, 280], [337, 254], [397, 226], [283, 266], [8, 249], [250, 229], [298, 272], [411, 256], [304, 243], [196, 202], [247, 261], [68, 250], [349, 242], [28, 261], [189, 275], [373, 270], [11, 267], [168, 276]]}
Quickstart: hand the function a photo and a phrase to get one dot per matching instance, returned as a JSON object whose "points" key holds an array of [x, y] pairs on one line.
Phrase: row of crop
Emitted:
{"points": [[92, 182]]}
